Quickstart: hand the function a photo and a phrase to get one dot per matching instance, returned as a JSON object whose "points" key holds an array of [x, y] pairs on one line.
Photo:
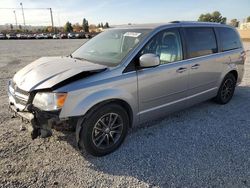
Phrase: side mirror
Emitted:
{"points": [[149, 60]]}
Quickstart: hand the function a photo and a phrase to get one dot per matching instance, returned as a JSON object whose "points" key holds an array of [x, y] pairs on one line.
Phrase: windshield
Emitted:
{"points": [[111, 46]]}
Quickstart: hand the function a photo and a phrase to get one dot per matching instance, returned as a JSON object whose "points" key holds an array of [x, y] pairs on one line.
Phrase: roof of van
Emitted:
{"points": [[177, 23]]}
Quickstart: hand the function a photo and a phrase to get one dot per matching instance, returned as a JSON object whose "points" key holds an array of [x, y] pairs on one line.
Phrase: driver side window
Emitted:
{"points": [[167, 45]]}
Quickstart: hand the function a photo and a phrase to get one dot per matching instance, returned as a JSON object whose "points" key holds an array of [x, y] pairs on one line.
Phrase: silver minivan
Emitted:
{"points": [[126, 76]]}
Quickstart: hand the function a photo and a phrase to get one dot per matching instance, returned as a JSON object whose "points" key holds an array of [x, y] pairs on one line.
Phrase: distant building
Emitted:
{"points": [[245, 26]]}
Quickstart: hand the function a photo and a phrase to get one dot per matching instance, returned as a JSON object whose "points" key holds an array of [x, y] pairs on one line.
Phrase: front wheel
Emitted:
{"points": [[226, 90], [103, 129]]}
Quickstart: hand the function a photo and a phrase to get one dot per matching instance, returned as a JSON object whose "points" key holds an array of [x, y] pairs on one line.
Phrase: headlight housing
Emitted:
{"points": [[49, 101]]}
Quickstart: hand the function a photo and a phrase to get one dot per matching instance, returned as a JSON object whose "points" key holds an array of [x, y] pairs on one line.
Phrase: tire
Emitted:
{"points": [[103, 129], [226, 90]]}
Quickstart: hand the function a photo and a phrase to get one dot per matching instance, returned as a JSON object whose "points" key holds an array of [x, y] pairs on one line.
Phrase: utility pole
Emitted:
{"points": [[52, 21], [23, 14], [15, 18]]}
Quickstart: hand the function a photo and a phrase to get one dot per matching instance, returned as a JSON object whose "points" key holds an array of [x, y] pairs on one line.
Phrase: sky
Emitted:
{"points": [[117, 12]]}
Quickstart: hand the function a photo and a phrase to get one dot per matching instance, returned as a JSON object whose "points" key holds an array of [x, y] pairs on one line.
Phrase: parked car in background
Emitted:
{"points": [[11, 36], [40, 36], [88, 36], [22, 36], [63, 36], [56, 36], [50, 35], [127, 76], [31, 36], [71, 35], [45, 35], [2, 36], [80, 35]]}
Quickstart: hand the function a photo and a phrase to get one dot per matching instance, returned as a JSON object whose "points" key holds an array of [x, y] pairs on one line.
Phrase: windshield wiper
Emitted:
{"points": [[78, 58]]}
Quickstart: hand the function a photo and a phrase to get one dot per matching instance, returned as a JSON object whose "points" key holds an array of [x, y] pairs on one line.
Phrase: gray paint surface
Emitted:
{"points": [[150, 92]]}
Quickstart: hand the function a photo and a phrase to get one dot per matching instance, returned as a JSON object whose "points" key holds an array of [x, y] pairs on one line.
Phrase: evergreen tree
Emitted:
{"points": [[106, 25], [68, 27], [85, 25]]}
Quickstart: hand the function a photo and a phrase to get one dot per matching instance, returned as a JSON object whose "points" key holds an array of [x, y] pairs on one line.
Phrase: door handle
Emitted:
{"points": [[181, 70], [196, 66]]}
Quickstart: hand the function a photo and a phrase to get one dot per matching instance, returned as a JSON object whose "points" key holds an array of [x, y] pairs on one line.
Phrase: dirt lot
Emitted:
{"points": [[207, 145]]}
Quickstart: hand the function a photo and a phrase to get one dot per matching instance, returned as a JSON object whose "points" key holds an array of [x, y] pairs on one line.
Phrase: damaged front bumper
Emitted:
{"points": [[41, 122]]}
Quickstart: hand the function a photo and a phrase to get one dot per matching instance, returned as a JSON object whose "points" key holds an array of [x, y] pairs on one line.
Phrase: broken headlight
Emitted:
{"points": [[49, 101]]}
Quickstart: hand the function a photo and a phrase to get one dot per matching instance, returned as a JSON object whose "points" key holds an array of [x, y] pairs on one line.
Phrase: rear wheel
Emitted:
{"points": [[226, 90], [103, 129]]}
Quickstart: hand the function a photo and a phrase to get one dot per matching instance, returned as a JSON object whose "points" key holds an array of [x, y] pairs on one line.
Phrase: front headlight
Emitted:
{"points": [[49, 101]]}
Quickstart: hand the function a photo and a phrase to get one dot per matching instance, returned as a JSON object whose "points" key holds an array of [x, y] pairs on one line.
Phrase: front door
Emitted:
{"points": [[163, 89]]}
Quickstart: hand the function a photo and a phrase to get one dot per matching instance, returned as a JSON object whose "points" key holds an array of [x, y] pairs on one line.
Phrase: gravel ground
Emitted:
{"points": [[207, 145]]}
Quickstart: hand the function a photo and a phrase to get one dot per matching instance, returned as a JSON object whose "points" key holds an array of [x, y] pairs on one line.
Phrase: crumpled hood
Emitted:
{"points": [[48, 71]]}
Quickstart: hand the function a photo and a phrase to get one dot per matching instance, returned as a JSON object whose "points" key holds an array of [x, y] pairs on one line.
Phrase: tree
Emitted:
{"points": [[85, 25], [101, 25], [68, 27], [77, 27], [106, 25], [234, 23], [11, 27], [248, 19], [20, 27], [49, 29], [212, 17], [44, 30]]}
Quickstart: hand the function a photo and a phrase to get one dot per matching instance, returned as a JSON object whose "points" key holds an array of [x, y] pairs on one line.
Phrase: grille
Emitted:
{"points": [[18, 90], [20, 96], [20, 101]]}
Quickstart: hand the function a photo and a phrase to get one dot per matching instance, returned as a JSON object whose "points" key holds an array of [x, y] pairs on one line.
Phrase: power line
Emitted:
{"points": [[50, 9], [23, 8]]}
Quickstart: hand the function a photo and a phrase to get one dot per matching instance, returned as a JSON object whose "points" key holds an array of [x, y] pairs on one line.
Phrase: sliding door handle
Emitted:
{"points": [[196, 66], [181, 69]]}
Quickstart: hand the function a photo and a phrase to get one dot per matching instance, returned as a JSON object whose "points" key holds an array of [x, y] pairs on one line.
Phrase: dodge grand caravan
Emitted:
{"points": [[126, 76]]}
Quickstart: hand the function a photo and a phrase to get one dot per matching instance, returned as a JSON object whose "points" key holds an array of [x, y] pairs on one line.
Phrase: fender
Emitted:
{"points": [[78, 105]]}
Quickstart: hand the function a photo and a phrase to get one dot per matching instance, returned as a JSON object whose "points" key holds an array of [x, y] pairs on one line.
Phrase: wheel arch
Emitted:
{"points": [[233, 72], [120, 102]]}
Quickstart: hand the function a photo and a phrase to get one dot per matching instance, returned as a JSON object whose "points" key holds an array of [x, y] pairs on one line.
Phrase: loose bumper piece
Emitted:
{"points": [[42, 122]]}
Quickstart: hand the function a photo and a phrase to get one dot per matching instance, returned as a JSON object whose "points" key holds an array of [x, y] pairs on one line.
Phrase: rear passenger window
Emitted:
{"points": [[229, 39], [200, 41]]}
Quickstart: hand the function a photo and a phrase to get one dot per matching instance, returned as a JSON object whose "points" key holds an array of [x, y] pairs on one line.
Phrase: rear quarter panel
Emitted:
{"points": [[236, 62]]}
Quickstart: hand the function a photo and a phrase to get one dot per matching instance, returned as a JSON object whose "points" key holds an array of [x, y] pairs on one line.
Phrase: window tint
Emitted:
{"points": [[167, 45], [229, 39], [200, 41]]}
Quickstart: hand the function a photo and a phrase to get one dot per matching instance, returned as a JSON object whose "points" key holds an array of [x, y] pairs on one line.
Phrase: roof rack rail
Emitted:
{"points": [[175, 22]]}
